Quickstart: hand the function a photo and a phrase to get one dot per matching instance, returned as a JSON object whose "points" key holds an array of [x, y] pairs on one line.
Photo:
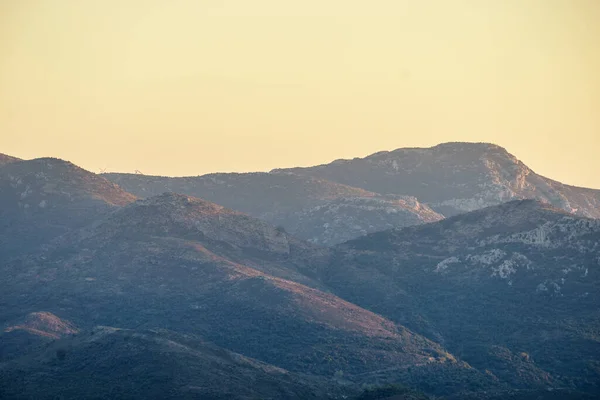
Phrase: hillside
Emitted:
{"points": [[312, 209], [512, 289], [499, 301], [6, 159], [44, 198], [453, 178], [32, 332], [150, 364], [195, 267]]}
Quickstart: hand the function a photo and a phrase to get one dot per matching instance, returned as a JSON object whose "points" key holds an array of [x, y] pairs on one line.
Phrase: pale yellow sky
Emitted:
{"points": [[186, 87]]}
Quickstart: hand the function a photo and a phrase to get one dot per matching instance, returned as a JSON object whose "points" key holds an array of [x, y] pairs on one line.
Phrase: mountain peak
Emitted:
{"points": [[184, 217], [456, 177], [42, 178], [6, 159], [451, 147], [44, 198], [471, 145]]}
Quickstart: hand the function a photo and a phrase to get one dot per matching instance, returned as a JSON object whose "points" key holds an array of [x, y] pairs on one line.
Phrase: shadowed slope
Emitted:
{"points": [[193, 266], [36, 329], [110, 363]]}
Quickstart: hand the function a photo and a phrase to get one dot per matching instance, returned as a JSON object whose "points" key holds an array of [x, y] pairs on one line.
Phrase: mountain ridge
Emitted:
{"points": [[164, 363], [455, 177], [6, 159], [171, 261], [502, 299], [313, 209], [44, 198]]}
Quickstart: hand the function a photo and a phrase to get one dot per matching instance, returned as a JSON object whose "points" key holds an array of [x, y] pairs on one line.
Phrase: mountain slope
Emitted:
{"points": [[144, 364], [6, 159], [43, 198], [21, 336], [312, 209], [43, 324], [512, 289], [195, 267], [455, 177]]}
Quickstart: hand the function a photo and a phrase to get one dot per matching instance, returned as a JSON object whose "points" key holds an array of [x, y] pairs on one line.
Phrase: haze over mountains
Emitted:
{"points": [[317, 210], [303, 283], [335, 202]]}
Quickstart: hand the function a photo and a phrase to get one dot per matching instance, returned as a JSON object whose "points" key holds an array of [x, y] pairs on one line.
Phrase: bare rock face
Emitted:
{"points": [[312, 209], [456, 177]]}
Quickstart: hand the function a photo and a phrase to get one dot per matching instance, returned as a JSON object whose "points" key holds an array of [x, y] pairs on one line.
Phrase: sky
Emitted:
{"points": [[187, 87]]}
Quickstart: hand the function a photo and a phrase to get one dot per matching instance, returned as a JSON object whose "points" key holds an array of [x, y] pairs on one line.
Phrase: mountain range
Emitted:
{"points": [[332, 203], [455, 271]]}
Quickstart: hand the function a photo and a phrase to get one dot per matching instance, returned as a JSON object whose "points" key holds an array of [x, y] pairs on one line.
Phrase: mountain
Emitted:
{"points": [[342, 219], [178, 297], [46, 197], [511, 289], [453, 178], [33, 331], [112, 363], [6, 159], [195, 267], [312, 209]]}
